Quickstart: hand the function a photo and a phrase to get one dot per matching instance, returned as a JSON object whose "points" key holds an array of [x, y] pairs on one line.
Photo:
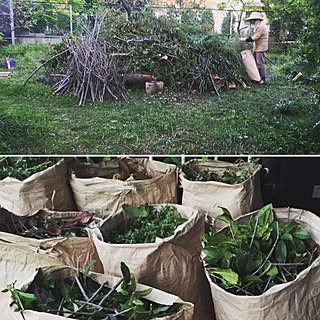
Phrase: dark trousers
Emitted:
{"points": [[261, 64]]}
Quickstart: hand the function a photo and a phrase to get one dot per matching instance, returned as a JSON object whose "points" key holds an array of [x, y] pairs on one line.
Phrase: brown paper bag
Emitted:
{"points": [[171, 264], [19, 255], [95, 190], [47, 189], [250, 65], [209, 196], [298, 299], [157, 296]]}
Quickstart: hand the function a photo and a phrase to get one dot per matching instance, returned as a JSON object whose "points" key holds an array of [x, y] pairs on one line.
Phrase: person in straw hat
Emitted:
{"points": [[261, 40]]}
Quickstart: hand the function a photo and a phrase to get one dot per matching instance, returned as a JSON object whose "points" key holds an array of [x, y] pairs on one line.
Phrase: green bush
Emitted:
{"points": [[24, 49]]}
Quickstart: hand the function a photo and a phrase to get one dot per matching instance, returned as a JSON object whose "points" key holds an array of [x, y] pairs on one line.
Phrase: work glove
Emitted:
{"points": [[249, 39]]}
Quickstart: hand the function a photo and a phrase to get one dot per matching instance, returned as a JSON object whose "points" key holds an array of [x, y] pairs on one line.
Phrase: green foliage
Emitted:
{"points": [[24, 49], [248, 259], [240, 172], [148, 224], [22, 167], [66, 296], [23, 15], [301, 19], [23, 299]]}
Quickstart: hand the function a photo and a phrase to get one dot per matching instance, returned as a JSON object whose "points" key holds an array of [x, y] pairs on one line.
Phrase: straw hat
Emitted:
{"points": [[254, 16]]}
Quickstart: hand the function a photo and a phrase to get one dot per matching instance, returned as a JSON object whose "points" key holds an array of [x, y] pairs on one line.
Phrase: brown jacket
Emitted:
{"points": [[261, 38]]}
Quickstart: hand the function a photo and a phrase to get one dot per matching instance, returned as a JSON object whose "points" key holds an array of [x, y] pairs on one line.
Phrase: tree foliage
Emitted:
{"points": [[301, 19]]}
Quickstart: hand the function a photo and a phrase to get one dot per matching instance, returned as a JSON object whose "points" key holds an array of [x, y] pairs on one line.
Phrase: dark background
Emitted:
{"points": [[291, 181]]}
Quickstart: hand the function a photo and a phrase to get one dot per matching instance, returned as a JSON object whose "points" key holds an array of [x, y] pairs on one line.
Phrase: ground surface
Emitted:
{"points": [[279, 118]]}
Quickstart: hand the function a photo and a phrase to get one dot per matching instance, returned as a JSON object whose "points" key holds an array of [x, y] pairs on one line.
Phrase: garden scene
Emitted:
{"points": [[147, 77]]}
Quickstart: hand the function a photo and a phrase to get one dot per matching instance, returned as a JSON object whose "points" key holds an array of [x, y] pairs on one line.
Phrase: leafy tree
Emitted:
{"points": [[301, 20], [23, 14]]}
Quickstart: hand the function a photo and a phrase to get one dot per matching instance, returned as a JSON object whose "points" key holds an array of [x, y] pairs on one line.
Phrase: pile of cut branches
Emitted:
{"points": [[147, 224], [238, 173], [46, 226], [92, 72], [181, 55], [79, 296], [248, 259]]}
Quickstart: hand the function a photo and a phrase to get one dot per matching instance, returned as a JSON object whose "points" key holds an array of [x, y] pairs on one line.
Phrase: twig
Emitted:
{"points": [[60, 306], [311, 256], [88, 304], [288, 264], [241, 289], [214, 84], [80, 287], [271, 251], [254, 232], [267, 284], [111, 291]]}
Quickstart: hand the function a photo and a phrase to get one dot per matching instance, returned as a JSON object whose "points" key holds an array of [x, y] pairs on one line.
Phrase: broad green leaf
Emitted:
{"points": [[26, 299], [302, 234], [142, 211], [122, 291], [161, 309], [228, 219], [125, 273], [220, 239], [144, 293], [251, 263], [226, 212], [137, 302], [299, 245], [265, 218], [290, 227], [227, 274], [265, 214], [281, 252], [134, 282], [140, 314], [287, 236], [252, 278], [273, 271]]}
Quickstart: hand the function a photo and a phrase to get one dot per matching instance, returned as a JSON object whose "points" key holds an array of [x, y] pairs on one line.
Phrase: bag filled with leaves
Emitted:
{"points": [[103, 188], [61, 293], [209, 185], [45, 239], [29, 185], [265, 265], [20, 256], [162, 246]]}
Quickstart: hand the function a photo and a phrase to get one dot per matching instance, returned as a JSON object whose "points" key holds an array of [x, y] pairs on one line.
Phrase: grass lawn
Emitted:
{"points": [[279, 118]]}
